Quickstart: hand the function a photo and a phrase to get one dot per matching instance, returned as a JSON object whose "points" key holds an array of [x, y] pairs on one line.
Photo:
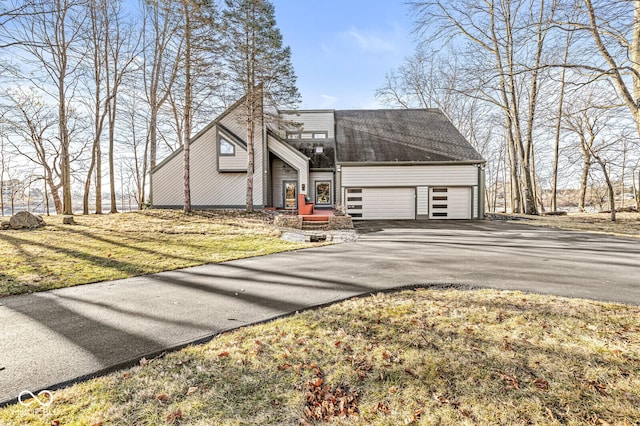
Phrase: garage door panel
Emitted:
{"points": [[388, 203], [450, 203]]}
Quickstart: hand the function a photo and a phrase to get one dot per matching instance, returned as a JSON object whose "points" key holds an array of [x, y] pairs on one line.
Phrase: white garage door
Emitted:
{"points": [[388, 203], [450, 203]]}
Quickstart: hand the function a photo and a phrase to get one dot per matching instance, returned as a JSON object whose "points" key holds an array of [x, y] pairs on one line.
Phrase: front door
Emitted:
{"points": [[290, 189]]}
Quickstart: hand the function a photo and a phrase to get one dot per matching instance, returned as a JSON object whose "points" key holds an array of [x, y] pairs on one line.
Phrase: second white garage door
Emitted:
{"points": [[388, 203], [450, 203]]}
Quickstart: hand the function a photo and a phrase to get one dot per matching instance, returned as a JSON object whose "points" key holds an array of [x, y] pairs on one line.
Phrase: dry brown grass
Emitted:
{"points": [[627, 224], [113, 246], [444, 357]]}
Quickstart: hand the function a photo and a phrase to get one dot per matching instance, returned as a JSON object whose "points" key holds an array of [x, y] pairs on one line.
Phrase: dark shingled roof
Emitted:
{"points": [[388, 135]]}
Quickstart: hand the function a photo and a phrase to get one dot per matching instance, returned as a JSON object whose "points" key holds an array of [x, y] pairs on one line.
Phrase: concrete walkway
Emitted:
{"points": [[54, 337]]}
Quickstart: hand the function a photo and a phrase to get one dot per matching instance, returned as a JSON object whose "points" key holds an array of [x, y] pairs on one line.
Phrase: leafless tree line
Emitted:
{"points": [[80, 77], [547, 90]]}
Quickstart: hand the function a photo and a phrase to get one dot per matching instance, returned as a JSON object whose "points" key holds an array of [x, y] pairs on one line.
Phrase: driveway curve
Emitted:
{"points": [[53, 338]]}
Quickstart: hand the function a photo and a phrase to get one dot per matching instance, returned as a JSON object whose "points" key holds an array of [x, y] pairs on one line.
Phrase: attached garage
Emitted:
{"points": [[406, 164], [450, 203], [381, 203]]}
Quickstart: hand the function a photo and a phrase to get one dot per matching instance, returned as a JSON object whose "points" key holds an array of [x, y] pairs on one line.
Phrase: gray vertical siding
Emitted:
{"points": [[208, 186], [294, 158], [281, 171]]}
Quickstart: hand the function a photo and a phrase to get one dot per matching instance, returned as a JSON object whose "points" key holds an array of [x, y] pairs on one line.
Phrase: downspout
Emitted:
{"points": [[481, 189]]}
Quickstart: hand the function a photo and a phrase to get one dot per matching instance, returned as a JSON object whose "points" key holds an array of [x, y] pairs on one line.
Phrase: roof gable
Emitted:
{"points": [[400, 135]]}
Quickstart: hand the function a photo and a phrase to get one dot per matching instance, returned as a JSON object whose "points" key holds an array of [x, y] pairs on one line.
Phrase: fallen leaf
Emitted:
{"points": [[192, 390], [505, 344], [417, 413], [337, 344], [173, 416], [511, 380], [440, 398], [126, 375], [284, 366], [597, 386], [381, 407], [223, 354], [163, 397], [541, 384], [393, 389], [55, 422]]}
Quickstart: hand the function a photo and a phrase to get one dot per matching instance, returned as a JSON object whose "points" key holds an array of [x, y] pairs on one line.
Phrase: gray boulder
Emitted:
{"points": [[5, 224], [25, 220]]}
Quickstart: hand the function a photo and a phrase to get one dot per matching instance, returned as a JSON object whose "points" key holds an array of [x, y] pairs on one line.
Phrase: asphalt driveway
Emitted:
{"points": [[51, 338]]}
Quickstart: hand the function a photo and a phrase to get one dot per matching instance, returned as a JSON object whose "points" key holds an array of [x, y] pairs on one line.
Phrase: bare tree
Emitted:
{"points": [[163, 49], [3, 167], [33, 123], [259, 65], [504, 68], [49, 36], [558, 123], [598, 129], [99, 105]]}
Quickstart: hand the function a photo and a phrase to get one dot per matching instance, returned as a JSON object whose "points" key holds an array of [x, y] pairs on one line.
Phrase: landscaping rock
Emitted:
{"points": [[25, 220], [68, 220], [286, 221], [5, 225]]}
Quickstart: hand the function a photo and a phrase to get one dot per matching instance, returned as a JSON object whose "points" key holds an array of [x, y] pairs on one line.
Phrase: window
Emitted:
{"points": [[308, 134], [439, 189], [226, 148]]}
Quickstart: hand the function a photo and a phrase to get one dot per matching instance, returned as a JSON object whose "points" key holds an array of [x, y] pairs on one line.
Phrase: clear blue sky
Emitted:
{"points": [[342, 49]]}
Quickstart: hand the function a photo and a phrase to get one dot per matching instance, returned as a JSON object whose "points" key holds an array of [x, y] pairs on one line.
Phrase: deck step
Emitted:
{"points": [[315, 218], [315, 225]]}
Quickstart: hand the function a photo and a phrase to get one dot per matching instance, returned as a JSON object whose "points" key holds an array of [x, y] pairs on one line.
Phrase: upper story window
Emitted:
{"points": [[226, 148], [308, 135]]}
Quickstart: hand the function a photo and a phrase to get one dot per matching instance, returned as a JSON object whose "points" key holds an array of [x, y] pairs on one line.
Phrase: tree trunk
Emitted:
{"points": [[87, 182], [636, 187], [556, 145], [516, 200], [250, 151], [586, 165], [612, 195], [112, 181], [187, 106]]}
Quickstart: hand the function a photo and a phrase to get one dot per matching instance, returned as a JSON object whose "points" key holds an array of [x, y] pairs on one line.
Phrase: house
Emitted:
{"points": [[377, 164]]}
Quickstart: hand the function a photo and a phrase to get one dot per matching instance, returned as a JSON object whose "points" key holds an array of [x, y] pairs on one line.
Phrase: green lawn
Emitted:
{"points": [[107, 247], [433, 357]]}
